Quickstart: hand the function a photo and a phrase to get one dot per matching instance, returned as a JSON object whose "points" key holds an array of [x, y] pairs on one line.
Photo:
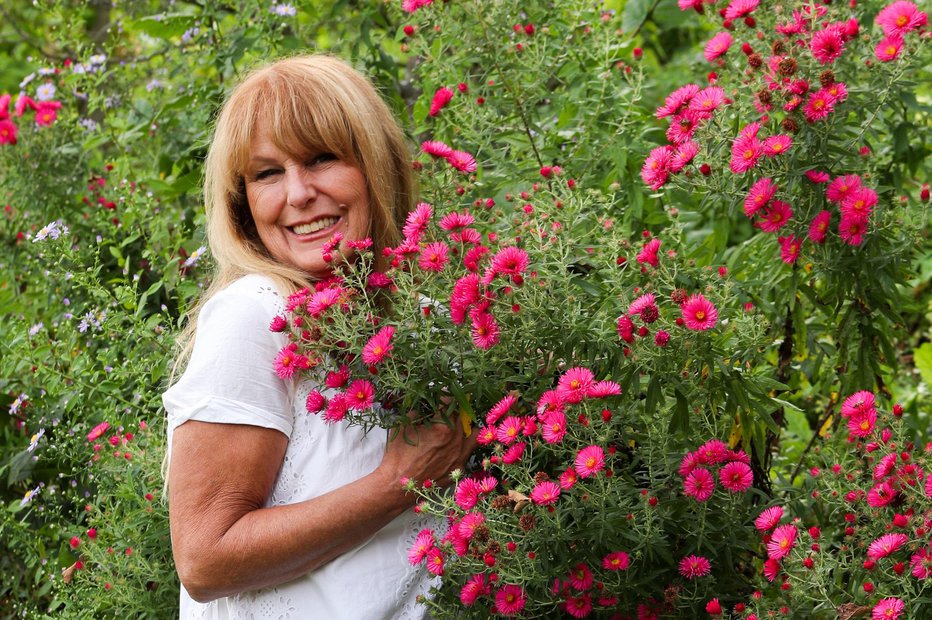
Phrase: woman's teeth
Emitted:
{"points": [[306, 229]]}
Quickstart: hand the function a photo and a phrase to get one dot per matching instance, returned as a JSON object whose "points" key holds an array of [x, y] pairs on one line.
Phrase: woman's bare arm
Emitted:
{"points": [[225, 542]]}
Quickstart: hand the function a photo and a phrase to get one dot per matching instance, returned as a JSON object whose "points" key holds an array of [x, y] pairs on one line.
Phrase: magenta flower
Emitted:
{"points": [[379, 346], [545, 493], [683, 154], [859, 203], [474, 587], [888, 609], [456, 221], [777, 145], [739, 8], [900, 17], [485, 331], [510, 261], [462, 161], [699, 484], [841, 187], [827, 45], [589, 461], [820, 104], [434, 256], [441, 98], [656, 169], [736, 477], [769, 518], [717, 46], [789, 248], [885, 545], [745, 153], [553, 426], [648, 253], [617, 560], [575, 383], [852, 230], [759, 196], [698, 313], [695, 566], [500, 409], [781, 542], [436, 148], [509, 429], [889, 48], [315, 402], [641, 304], [360, 395], [775, 216], [676, 100], [819, 226], [708, 99], [510, 600], [422, 544], [417, 221]]}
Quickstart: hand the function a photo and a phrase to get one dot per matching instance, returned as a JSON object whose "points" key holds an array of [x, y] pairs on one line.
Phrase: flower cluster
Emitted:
{"points": [[45, 112], [734, 470]]}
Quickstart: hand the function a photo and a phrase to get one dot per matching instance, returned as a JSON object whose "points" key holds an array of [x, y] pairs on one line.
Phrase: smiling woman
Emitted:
{"points": [[272, 510]]}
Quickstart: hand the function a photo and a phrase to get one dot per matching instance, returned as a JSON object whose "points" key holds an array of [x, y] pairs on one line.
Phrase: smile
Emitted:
{"points": [[316, 225]]}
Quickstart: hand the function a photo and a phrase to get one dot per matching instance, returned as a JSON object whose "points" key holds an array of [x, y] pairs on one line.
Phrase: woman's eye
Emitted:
{"points": [[264, 174], [323, 157]]}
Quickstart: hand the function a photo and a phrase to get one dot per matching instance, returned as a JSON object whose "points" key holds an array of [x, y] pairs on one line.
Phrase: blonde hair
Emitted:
{"points": [[307, 104]]}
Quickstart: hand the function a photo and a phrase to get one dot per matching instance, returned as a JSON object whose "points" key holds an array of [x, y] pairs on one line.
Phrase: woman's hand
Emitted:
{"points": [[427, 451]]}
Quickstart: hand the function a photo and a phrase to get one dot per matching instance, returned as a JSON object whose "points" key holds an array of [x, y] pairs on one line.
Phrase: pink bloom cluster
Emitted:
{"points": [[46, 112], [461, 160], [734, 470], [410, 6], [896, 20]]}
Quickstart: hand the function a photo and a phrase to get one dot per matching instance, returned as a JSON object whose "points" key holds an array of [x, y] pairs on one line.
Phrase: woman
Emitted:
{"points": [[273, 512]]}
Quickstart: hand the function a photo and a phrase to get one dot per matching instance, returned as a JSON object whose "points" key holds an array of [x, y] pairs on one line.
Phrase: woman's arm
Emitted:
{"points": [[225, 542]]}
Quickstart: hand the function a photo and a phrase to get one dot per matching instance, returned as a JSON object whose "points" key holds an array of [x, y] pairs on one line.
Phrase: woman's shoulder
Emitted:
{"points": [[252, 290]]}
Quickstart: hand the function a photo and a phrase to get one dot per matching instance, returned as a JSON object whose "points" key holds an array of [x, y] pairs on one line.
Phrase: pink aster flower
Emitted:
{"points": [[695, 566], [510, 261], [510, 600], [827, 45], [881, 494], [604, 389], [8, 131], [684, 154], [509, 429], [410, 6], [885, 466], [759, 196], [736, 477], [745, 153], [617, 560], [417, 221], [900, 17], [676, 100], [862, 423], [434, 256], [379, 346], [474, 587], [717, 46], [553, 426], [462, 161], [456, 221], [885, 545], [771, 569], [713, 452], [578, 606], [98, 431], [436, 148], [708, 99], [289, 361], [641, 304], [775, 216], [360, 395], [549, 401], [467, 526], [769, 518], [625, 327], [589, 461], [315, 402], [789, 248], [689, 462], [337, 378], [740, 8], [683, 126], [852, 230], [545, 493], [781, 542], [699, 484], [888, 608], [859, 203], [649, 253], [441, 98], [435, 561], [580, 577], [467, 493], [336, 409], [817, 176], [841, 187], [698, 313], [819, 226], [485, 331], [568, 479], [656, 169], [820, 104], [513, 453], [422, 544], [777, 145], [921, 561], [500, 409], [889, 48], [575, 383]]}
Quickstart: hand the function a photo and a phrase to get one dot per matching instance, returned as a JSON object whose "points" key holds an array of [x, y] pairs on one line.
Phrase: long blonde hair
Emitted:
{"points": [[313, 103]]}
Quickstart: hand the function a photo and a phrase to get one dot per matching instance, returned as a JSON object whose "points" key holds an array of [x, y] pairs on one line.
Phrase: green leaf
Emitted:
{"points": [[679, 421], [922, 357], [634, 14]]}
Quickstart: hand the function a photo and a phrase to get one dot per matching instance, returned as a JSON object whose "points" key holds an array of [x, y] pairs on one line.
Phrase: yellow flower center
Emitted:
{"points": [[700, 315]]}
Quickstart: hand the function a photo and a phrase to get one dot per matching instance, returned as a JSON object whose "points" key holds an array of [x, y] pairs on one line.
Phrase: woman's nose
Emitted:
{"points": [[299, 186]]}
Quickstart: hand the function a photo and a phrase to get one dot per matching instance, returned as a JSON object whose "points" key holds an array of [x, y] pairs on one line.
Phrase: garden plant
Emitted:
{"points": [[670, 263]]}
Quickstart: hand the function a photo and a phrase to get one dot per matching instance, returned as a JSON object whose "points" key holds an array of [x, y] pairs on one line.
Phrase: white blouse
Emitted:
{"points": [[230, 379]]}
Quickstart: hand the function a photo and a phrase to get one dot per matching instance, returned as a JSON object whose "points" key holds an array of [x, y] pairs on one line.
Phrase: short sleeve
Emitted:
{"points": [[230, 377]]}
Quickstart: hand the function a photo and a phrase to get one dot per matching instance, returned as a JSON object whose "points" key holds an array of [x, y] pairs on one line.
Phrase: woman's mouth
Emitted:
{"points": [[315, 226]]}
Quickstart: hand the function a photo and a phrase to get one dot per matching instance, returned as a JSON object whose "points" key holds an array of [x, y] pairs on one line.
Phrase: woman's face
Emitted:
{"points": [[298, 204]]}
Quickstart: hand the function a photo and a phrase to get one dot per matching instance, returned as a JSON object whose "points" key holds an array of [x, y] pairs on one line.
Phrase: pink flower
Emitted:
{"points": [[436, 148], [289, 361], [781, 542], [900, 17], [578, 606], [852, 230], [474, 587], [323, 300], [777, 145], [698, 313], [689, 462], [745, 152], [648, 253], [575, 383], [410, 6], [841, 187], [509, 429], [360, 395], [485, 331], [568, 479], [713, 452], [510, 600], [98, 431], [862, 424], [656, 168], [684, 154], [889, 48], [885, 545], [888, 608], [336, 409], [682, 127], [441, 98], [435, 561], [881, 495], [589, 461], [456, 221], [580, 577], [775, 216], [736, 477], [379, 346], [789, 248], [817, 176], [771, 569], [500, 408], [545, 493], [510, 261], [859, 203], [604, 389], [514, 453], [434, 256], [769, 518], [625, 328], [417, 221], [827, 45], [641, 304], [708, 99], [739, 8], [717, 46], [821, 103], [8, 131], [699, 484], [819, 226], [695, 566], [551, 400], [885, 466], [315, 402], [467, 493], [422, 544], [921, 561], [617, 560], [759, 195], [553, 426], [462, 161], [676, 100]]}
